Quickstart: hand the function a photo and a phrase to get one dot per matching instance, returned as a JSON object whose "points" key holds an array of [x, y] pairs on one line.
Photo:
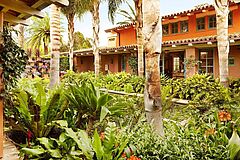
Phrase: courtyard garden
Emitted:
{"points": [[79, 120]]}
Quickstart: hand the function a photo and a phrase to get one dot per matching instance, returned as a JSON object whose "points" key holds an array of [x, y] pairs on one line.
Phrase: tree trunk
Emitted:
{"points": [[21, 36], [45, 46], [70, 19], [222, 11], [139, 26], [55, 45], [152, 28], [96, 28]]}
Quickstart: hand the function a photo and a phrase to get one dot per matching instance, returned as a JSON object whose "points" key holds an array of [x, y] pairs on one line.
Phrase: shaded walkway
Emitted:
{"points": [[10, 152]]}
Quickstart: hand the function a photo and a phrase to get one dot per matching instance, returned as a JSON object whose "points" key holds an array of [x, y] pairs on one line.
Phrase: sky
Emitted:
{"points": [[84, 25]]}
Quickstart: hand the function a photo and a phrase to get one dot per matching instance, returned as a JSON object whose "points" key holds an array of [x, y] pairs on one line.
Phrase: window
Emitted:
{"points": [[184, 26], [174, 28], [231, 61], [201, 23], [123, 62], [165, 29], [206, 58], [212, 22], [230, 18], [176, 64]]}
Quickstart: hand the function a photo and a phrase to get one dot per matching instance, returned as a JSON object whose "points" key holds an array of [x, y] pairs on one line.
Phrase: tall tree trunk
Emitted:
{"points": [[139, 26], [222, 11], [70, 19], [45, 47], [152, 28], [55, 45], [96, 28], [21, 36]]}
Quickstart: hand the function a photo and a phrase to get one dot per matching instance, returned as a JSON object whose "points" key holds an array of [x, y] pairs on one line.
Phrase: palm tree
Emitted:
{"points": [[222, 11], [94, 9], [21, 35], [39, 33], [75, 7], [130, 17], [139, 27], [55, 45], [135, 16], [152, 28]]}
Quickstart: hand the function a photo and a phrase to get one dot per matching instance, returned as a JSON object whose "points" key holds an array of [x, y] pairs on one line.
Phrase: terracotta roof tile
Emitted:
{"points": [[213, 38]]}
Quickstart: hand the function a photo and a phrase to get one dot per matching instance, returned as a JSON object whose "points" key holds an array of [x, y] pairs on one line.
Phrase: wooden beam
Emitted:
{"points": [[1, 90], [60, 2], [21, 7], [12, 19]]}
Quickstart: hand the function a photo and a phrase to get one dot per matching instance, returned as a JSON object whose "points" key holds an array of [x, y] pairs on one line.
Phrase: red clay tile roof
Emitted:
{"points": [[104, 50], [196, 9], [235, 36], [120, 27]]}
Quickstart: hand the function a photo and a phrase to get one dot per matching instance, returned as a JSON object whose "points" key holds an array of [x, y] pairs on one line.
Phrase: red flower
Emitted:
{"points": [[224, 116], [133, 158]]}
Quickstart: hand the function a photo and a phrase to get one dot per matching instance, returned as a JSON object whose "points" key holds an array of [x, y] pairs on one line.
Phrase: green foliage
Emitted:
{"points": [[118, 82], [234, 146], [89, 102], [132, 61], [235, 86], [64, 63], [130, 15], [198, 87], [78, 145], [14, 59], [35, 108], [180, 142], [69, 145], [80, 42], [39, 34]]}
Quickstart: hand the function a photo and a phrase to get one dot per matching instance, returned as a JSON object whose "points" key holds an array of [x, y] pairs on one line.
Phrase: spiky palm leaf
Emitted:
{"points": [[39, 33], [130, 17]]}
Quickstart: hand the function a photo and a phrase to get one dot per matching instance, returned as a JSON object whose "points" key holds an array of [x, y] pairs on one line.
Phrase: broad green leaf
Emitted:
{"points": [[35, 151], [23, 108], [97, 146], [234, 146], [41, 95], [56, 153], [104, 112], [46, 142], [81, 142]]}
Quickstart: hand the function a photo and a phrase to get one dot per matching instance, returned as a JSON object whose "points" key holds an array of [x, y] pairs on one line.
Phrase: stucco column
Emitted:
{"points": [[191, 59], [1, 89]]}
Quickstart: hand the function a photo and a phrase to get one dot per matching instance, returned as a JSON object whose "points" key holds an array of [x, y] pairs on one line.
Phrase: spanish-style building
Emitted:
{"points": [[189, 45]]}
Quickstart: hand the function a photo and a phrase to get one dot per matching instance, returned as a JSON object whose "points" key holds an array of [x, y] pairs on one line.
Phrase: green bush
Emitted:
{"points": [[119, 81], [235, 86], [180, 142]]}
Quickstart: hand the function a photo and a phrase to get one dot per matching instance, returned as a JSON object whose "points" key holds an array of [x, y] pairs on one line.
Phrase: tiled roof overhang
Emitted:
{"points": [[197, 9], [17, 11], [199, 40], [120, 27], [107, 50]]}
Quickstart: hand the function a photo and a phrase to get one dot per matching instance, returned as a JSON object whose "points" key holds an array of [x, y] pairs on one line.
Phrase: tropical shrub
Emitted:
{"points": [[78, 145], [180, 142], [34, 109], [90, 104], [235, 86], [118, 81]]}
